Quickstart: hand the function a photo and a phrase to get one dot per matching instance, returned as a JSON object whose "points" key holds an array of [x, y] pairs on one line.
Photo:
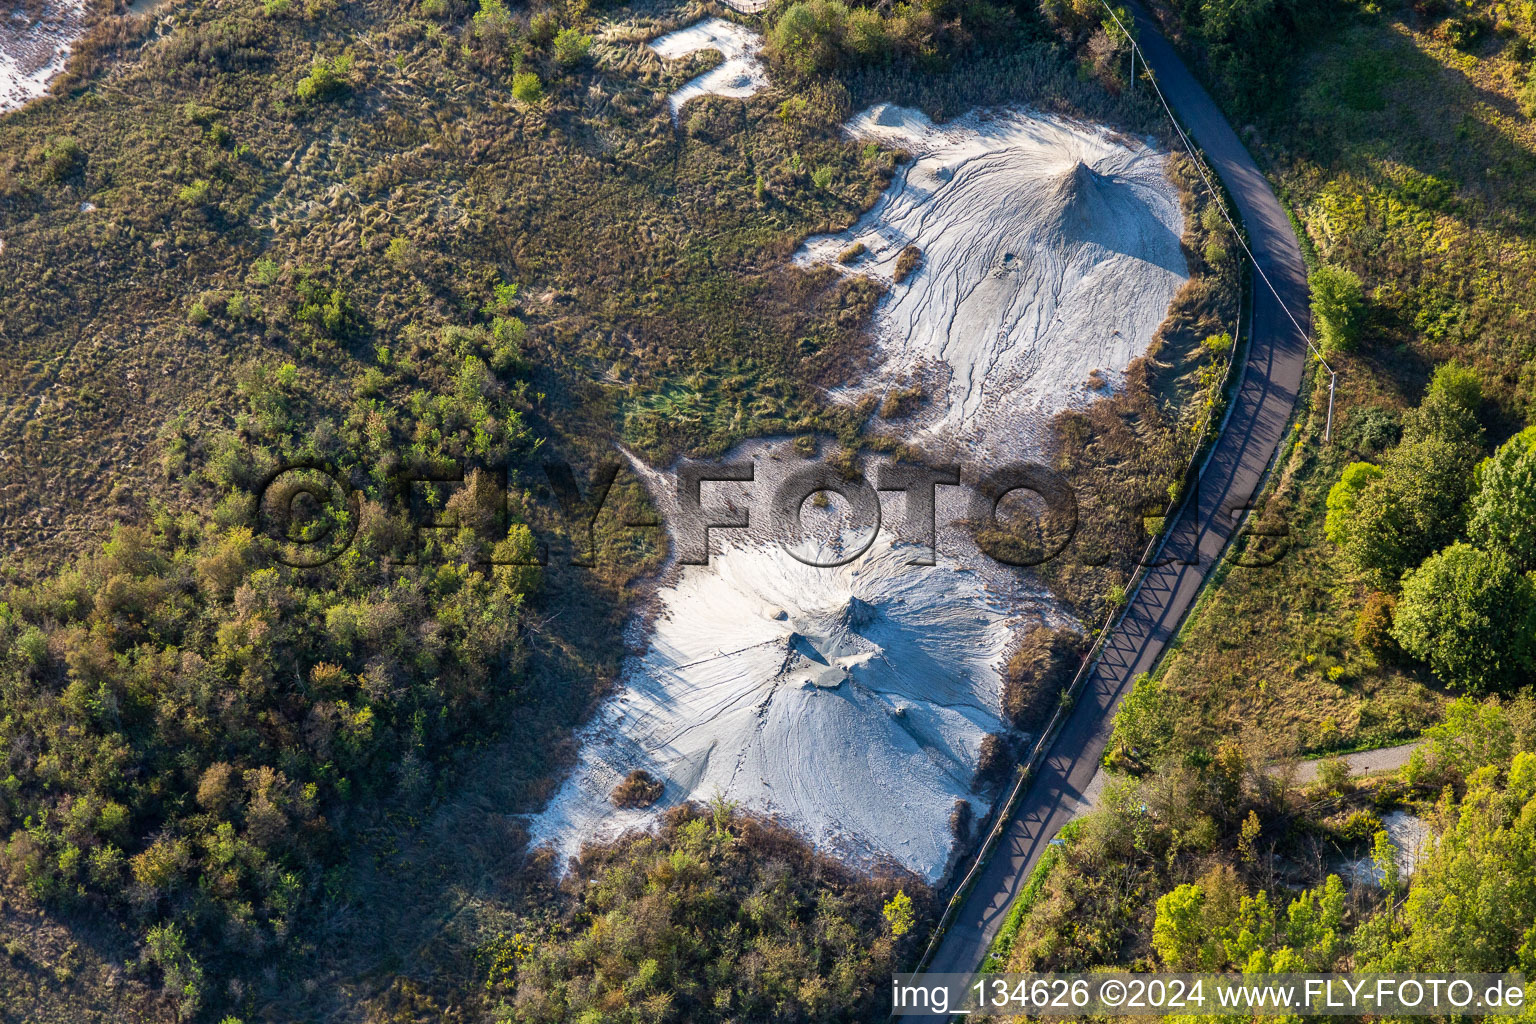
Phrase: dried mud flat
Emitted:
{"points": [[849, 701], [741, 74], [35, 39]]}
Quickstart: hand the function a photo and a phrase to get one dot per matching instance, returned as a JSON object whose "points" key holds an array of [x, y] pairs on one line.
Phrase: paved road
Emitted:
{"points": [[1268, 391]]}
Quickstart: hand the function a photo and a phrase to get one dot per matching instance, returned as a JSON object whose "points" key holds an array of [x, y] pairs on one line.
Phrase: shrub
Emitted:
{"points": [[571, 47], [639, 789], [1372, 429], [1333, 775], [1373, 626], [851, 253], [197, 193], [400, 253], [898, 913], [542, 28], [1345, 495], [899, 402], [63, 158], [867, 35], [327, 79], [1037, 672], [167, 947], [713, 895], [265, 271], [1465, 31], [1217, 344], [1338, 303], [960, 820], [808, 35], [1360, 827], [907, 262], [526, 87], [32, 647], [995, 761]]}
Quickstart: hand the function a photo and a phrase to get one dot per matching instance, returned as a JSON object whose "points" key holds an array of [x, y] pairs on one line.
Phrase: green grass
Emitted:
{"points": [[1002, 946]]}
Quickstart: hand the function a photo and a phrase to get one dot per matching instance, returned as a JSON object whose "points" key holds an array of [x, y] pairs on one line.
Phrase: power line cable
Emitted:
{"points": [[1200, 167]]}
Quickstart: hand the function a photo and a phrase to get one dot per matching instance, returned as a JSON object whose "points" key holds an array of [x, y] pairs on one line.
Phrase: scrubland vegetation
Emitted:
{"points": [[1418, 226], [740, 921], [1225, 866], [1383, 593], [388, 241]]}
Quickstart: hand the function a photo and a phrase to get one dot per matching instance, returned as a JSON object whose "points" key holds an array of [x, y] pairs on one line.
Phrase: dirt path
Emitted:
{"points": [[1365, 762], [1230, 480]]}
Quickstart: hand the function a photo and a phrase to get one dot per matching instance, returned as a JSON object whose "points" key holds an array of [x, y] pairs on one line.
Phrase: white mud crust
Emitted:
{"points": [[1048, 250], [741, 74], [34, 47], [1412, 842], [849, 701]]}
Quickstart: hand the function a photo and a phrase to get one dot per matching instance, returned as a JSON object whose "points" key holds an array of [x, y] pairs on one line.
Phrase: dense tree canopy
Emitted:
{"points": [[1388, 519], [181, 741], [1503, 508], [1469, 614]]}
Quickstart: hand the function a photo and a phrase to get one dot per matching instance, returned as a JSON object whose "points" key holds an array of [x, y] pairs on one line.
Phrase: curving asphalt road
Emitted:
{"points": [[1230, 480]]}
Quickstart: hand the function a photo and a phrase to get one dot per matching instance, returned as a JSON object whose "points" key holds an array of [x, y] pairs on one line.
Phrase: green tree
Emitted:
{"points": [[1474, 734], [1314, 924], [1375, 533], [1503, 505], [1473, 896], [1468, 613], [1338, 303], [867, 35], [1384, 860], [1449, 407], [1178, 932], [167, 947], [1387, 520], [571, 47], [1433, 478]]}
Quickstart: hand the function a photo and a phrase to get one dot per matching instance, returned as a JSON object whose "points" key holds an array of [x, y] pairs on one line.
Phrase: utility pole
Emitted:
{"points": [[1328, 427]]}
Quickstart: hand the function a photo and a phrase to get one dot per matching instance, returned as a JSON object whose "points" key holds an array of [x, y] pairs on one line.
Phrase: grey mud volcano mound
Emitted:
{"points": [[1050, 250]]}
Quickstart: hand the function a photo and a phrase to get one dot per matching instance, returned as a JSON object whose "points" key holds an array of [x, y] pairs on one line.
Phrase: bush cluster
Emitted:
{"points": [[188, 718], [718, 917], [1450, 530]]}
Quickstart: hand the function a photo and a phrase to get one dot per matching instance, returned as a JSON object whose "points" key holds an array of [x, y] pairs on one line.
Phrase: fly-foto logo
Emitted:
{"points": [[1021, 514]]}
